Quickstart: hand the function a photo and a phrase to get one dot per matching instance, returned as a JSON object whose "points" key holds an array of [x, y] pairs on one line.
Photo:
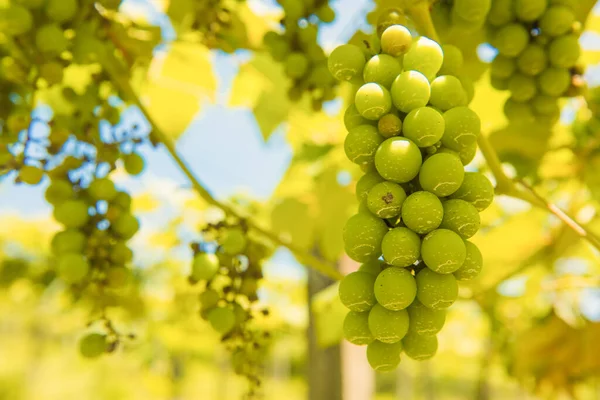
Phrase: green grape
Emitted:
{"points": [[361, 144], [501, 13], [462, 127], [557, 21], [382, 69], [391, 16], [388, 326], [356, 328], [447, 92], [372, 267], [420, 347], [72, 213], [373, 101], [385, 199], [511, 39], [530, 10], [472, 265], [133, 163], [102, 189], [398, 159], [72, 267], [564, 51], [125, 226], [461, 217], [401, 247], [532, 60], [68, 241], [15, 20], [502, 67], [453, 60], [470, 13], [222, 319], [122, 200], [50, 39], [522, 87], [422, 212], [436, 291], [389, 125], [424, 320], [363, 234], [278, 46], [384, 357], [296, 65], [499, 83], [365, 183], [31, 175], [545, 105], [121, 253], [424, 126], [118, 277], [14, 72], [468, 153], [443, 251], [441, 174], [475, 189], [518, 112], [352, 118], [61, 10], [320, 76], [325, 13], [93, 345], [426, 56], [396, 40], [233, 241], [205, 266], [554, 81], [346, 62], [395, 288], [356, 291], [209, 299], [410, 90], [52, 72], [293, 9], [307, 35]]}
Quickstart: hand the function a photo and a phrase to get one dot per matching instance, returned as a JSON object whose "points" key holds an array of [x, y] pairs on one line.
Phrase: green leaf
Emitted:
{"points": [[292, 220]]}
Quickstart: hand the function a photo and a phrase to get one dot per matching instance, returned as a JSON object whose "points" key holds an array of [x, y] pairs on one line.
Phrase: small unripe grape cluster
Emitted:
{"points": [[304, 60], [217, 22], [538, 50], [227, 264], [412, 133]]}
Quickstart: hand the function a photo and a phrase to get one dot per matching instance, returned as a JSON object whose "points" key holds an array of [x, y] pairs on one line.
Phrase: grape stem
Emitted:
{"points": [[119, 76]]}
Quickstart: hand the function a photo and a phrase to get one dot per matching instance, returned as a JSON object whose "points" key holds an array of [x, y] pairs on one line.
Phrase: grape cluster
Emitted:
{"points": [[305, 62], [228, 264], [411, 132], [216, 22], [538, 49]]}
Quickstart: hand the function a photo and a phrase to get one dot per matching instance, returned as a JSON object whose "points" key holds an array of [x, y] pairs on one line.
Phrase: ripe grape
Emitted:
{"points": [[398, 159], [72, 267], [385, 199], [388, 326], [61, 10], [410, 90], [501, 12], [389, 125], [361, 144], [518, 112], [233, 241], [373, 101], [554, 81], [426, 56], [530, 10], [72, 213], [204, 266], [50, 39], [93, 345], [511, 39], [363, 234], [125, 226], [102, 189], [296, 65], [424, 320], [422, 212], [365, 183], [356, 328], [31, 175], [401, 247], [436, 291], [522, 87], [447, 92], [133, 163], [293, 9], [372, 267], [532, 60], [222, 319], [346, 62], [461, 217], [564, 51], [453, 60], [352, 118], [472, 265], [441, 174], [420, 347], [209, 299], [424, 125], [471, 10], [356, 291], [391, 16], [462, 126], [556, 21], [475, 189], [443, 251], [396, 40], [325, 13], [382, 69], [122, 200], [384, 357], [546, 105], [395, 288], [68, 241], [502, 67]]}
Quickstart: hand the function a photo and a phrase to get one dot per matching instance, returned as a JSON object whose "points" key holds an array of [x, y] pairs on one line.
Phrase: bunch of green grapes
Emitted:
{"points": [[538, 50], [411, 132], [304, 60], [228, 265]]}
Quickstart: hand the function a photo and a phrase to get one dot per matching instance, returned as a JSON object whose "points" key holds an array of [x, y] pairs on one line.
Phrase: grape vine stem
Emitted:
{"points": [[119, 76]]}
